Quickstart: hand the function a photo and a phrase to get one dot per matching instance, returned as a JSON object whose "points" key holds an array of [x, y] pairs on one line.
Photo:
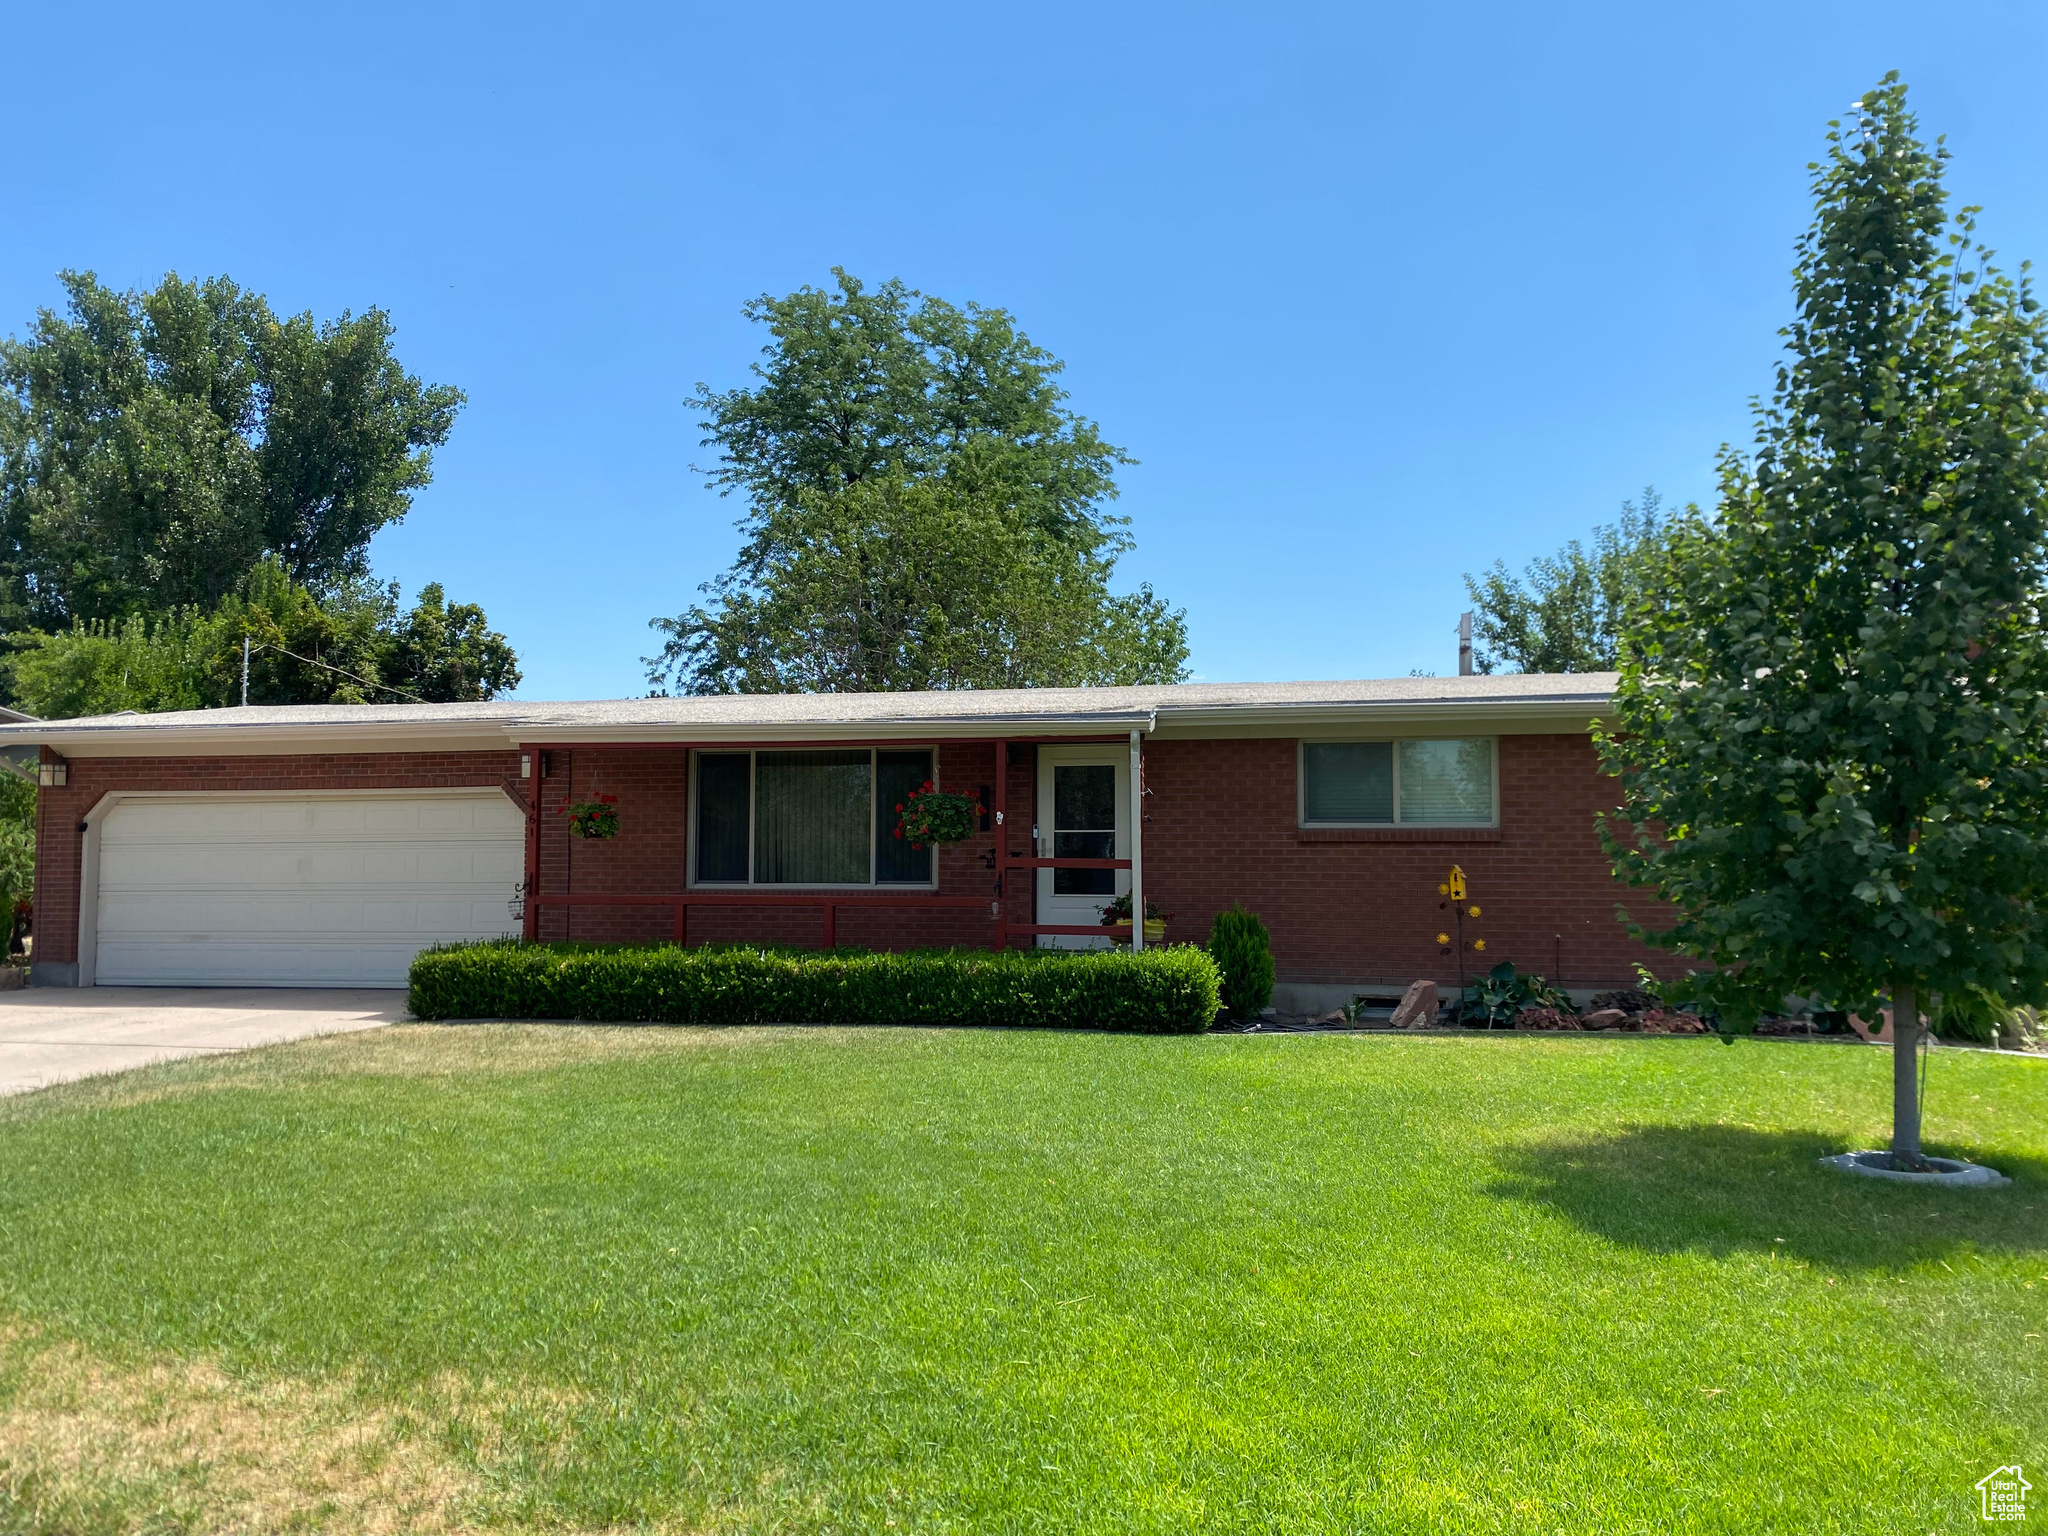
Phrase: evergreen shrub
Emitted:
{"points": [[1243, 952], [1173, 990]]}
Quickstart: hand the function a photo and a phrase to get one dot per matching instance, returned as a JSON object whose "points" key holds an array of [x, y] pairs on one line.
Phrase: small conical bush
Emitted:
{"points": [[1243, 952]]}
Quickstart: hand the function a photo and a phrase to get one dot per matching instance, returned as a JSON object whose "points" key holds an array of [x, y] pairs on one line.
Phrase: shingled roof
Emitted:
{"points": [[1515, 702]]}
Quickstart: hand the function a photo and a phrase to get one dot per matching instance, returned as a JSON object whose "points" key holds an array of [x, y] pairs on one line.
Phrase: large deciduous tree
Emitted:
{"points": [[893, 583], [1565, 612], [923, 512], [155, 446], [1831, 728]]}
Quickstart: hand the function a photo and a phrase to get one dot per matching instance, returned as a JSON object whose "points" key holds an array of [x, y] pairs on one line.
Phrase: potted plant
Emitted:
{"points": [[930, 815], [1118, 912], [593, 818]]}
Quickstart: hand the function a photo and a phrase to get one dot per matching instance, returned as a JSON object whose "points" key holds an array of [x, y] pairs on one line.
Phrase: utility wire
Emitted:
{"points": [[314, 661]]}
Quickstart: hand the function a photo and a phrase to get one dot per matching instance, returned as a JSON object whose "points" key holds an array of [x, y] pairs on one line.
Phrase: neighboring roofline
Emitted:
{"points": [[545, 732]]}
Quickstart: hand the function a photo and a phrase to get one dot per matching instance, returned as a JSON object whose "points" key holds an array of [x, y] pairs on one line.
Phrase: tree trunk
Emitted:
{"points": [[1905, 1082]]}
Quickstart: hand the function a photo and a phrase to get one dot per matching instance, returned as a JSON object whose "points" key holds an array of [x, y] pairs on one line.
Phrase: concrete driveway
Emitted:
{"points": [[53, 1034]]}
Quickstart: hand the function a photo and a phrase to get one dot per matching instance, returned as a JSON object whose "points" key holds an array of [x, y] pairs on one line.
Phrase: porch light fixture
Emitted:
{"points": [[51, 775], [526, 765]]}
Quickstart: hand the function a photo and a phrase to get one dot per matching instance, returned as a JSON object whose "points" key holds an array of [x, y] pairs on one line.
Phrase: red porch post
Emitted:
{"points": [[682, 911], [529, 920], [1002, 936]]}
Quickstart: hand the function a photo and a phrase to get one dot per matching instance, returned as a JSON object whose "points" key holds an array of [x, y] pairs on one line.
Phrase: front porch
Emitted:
{"points": [[758, 841]]}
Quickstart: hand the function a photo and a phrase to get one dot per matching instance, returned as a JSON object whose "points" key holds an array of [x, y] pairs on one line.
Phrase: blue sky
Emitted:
{"points": [[1376, 294]]}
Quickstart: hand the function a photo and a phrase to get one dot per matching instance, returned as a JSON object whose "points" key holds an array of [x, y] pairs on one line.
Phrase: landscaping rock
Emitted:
{"points": [[1418, 1007], [1603, 1018], [1546, 1018], [1659, 1022], [1625, 999], [1794, 1028]]}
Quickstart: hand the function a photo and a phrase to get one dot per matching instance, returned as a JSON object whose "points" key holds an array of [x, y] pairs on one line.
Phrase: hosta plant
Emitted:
{"points": [[1503, 992]]}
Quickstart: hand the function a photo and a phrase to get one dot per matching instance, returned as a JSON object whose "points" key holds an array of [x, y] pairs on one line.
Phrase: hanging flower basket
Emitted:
{"points": [[594, 818], [929, 815]]}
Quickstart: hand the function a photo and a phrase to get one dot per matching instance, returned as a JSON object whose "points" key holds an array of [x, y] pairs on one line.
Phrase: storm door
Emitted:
{"points": [[1084, 798]]}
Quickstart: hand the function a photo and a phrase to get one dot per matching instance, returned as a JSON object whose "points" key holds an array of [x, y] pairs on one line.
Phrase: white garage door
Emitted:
{"points": [[261, 890]]}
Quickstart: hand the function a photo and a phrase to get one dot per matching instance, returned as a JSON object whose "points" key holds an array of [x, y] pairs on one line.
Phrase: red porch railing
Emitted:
{"points": [[831, 903], [682, 901], [1007, 861]]}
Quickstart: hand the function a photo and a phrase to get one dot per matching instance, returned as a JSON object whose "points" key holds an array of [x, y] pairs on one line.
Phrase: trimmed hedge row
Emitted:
{"points": [[1157, 991]]}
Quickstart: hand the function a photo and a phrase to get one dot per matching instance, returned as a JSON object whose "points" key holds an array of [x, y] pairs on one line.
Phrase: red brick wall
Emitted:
{"points": [[1349, 907], [1344, 907], [60, 811], [651, 855]]}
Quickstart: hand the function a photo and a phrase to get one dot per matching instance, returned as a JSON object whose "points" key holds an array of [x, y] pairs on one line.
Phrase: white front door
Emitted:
{"points": [[1084, 799]]}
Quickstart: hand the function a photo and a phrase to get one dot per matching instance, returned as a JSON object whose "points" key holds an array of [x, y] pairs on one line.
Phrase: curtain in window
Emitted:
{"points": [[896, 775], [813, 818], [723, 815], [1447, 781], [1347, 781]]}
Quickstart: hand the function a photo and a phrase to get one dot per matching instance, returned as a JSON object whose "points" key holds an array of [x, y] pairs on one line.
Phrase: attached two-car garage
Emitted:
{"points": [[285, 889]]}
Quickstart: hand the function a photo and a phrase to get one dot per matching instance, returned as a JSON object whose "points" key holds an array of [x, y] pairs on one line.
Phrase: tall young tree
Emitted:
{"points": [[1832, 723], [156, 446], [923, 512]]}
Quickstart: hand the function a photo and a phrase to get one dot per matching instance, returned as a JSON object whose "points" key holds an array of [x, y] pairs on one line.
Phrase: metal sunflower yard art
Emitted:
{"points": [[1453, 892]]}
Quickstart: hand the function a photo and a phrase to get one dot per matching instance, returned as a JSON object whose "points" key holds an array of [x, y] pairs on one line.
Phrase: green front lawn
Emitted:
{"points": [[547, 1277]]}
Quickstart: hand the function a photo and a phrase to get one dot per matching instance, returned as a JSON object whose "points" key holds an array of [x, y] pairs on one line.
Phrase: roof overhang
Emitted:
{"points": [[230, 740], [233, 734], [1492, 717]]}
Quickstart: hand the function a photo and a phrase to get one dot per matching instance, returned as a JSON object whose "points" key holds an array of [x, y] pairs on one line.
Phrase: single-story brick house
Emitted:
{"points": [[324, 845]]}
